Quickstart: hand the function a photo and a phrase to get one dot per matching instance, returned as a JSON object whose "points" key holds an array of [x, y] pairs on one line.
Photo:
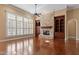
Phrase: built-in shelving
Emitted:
{"points": [[59, 26]]}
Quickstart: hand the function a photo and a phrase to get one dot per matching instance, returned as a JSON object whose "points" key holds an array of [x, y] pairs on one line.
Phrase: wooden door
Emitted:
{"points": [[59, 23], [37, 28]]}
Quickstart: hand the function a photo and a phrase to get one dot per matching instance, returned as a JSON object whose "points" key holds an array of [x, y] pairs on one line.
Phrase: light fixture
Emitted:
{"points": [[36, 14]]}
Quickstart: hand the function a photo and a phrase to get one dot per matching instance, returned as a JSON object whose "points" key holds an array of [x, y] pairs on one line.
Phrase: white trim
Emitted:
{"points": [[76, 28], [77, 25], [17, 38], [71, 37], [65, 26]]}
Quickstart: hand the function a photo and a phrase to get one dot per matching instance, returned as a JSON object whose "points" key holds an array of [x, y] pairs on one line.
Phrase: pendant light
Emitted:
{"points": [[36, 14]]}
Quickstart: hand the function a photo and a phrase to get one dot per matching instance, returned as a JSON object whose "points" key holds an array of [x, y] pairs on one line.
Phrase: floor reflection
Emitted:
{"points": [[77, 47], [59, 45], [35, 46], [17, 47], [70, 47]]}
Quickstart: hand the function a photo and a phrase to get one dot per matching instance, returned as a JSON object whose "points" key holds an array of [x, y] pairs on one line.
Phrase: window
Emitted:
{"points": [[11, 24], [30, 26], [18, 25], [25, 26]]}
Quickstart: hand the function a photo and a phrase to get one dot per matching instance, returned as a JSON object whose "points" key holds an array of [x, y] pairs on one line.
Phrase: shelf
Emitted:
{"points": [[59, 25]]}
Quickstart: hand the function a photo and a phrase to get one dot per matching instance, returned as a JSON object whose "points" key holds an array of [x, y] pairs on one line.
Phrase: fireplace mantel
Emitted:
{"points": [[46, 27]]}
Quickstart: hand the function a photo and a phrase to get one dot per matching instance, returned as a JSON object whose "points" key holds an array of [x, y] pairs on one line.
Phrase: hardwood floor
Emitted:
{"points": [[38, 46]]}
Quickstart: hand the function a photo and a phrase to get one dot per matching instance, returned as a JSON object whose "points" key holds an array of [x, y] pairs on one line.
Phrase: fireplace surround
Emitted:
{"points": [[46, 32]]}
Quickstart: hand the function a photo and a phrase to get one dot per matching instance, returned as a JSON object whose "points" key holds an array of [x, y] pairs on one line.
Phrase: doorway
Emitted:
{"points": [[37, 28], [59, 27]]}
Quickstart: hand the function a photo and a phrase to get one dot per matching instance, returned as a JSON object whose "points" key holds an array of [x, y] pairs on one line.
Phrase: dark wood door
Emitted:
{"points": [[37, 28], [59, 23]]}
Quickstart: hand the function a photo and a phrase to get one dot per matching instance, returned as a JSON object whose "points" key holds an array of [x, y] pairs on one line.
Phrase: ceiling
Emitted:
{"points": [[45, 8]]}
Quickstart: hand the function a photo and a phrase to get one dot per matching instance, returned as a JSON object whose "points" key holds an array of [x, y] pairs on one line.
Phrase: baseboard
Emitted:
{"points": [[72, 37]]}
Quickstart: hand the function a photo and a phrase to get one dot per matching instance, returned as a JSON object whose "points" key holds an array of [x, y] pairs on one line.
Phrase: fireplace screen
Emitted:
{"points": [[46, 32]]}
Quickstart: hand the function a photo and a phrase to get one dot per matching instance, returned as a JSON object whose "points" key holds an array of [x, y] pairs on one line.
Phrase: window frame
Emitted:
{"points": [[7, 24], [27, 23]]}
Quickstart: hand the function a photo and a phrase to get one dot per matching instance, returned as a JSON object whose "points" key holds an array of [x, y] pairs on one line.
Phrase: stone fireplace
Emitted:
{"points": [[46, 32]]}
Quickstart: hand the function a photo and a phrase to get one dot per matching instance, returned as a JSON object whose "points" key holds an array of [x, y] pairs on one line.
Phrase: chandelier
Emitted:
{"points": [[36, 14]]}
